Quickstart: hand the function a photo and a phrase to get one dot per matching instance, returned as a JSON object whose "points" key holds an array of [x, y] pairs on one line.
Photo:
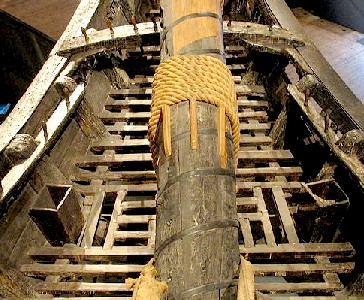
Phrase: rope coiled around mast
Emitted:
{"points": [[199, 77]]}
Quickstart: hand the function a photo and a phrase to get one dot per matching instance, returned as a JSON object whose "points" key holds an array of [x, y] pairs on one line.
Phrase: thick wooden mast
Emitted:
{"points": [[197, 249]]}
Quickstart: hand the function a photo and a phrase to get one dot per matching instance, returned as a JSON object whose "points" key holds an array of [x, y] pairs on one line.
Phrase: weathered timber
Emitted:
{"points": [[37, 269], [310, 250], [81, 287], [78, 254], [196, 205], [269, 171]]}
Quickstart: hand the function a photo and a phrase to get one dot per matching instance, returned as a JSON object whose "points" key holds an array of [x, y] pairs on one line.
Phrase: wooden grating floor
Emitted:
{"points": [[116, 177]]}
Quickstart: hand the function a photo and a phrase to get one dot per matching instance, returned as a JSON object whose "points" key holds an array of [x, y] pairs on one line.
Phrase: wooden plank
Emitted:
{"points": [[131, 234], [117, 143], [301, 269], [255, 140], [81, 287], [78, 254], [130, 92], [120, 127], [265, 155], [267, 226], [253, 115], [95, 160], [130, 205], [83, 175], [298, 287], [246, 90], [36, 269], [336, 250], [264, 127], [292, 186], [91, 190], [113, 224], [108, 116], [269, 171], [119, 104], [93, 218], [245, 103], [247, 232], [123, 37], [285, 215], [136, 219]]}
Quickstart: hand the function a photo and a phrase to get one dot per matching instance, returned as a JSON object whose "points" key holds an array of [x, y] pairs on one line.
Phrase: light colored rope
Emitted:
{"points": [[198, 77]]}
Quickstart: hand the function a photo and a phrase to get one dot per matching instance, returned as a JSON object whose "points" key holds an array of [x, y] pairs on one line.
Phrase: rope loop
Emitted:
{"points": [[200, 77]]}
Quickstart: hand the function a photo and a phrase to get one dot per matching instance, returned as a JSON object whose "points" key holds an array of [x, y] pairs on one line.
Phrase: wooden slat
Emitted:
{"points": [[117, 143], [94, 253], [242, 90], [253, 115], [245, 103], [120, 127], [247, 232], [113, 224], [90, 190], [130, 92], [108, 116], [267, 226], [81, 175], [265, 155], [95, 160], [285, 215], [81, 287], [293, 186], [269, 171], [92, 220], [129, 205], [299, 250], [79, 269], [263, 127], [298, 287], [128, 234], [255, 140], [117, 104], [301, 269], [136, 219]]}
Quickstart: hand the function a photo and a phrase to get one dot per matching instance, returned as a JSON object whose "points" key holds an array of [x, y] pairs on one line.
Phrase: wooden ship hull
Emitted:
{"points": [[82, 208]]}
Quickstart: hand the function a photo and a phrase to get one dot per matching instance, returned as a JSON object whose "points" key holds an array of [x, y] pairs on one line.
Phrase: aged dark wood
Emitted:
{"points": [[196, 191]]}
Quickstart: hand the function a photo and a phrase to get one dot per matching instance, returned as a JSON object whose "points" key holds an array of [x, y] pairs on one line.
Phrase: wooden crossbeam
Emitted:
{"points": [[298, 287], [255, 140], [108, 116], [83, 175], [301, 269], [311, 250], [265, 155], [78, 254], [91, 190], [37, 269], [96, 160], [269, 171], [253, 115], [293, 186], [131, 234], [136, 219], [81, 287]]}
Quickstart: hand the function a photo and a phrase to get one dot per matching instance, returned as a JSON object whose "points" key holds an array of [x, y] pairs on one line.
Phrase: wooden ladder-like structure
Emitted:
{"points": [[116, 177]]}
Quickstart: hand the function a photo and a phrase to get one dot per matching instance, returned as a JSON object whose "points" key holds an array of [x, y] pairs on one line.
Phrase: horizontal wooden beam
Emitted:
{"points": [[265, 155], [286, 186], [92, 189], [78, 254], [269, 171], [311, 250], [298, 287], [122, 37]]}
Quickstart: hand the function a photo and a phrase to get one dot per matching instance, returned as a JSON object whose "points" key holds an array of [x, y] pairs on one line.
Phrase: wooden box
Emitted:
{"points": [[57, 213]]}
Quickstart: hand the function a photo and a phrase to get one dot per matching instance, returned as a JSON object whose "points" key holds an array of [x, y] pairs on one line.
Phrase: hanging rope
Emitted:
{"points": [[185, 77]]}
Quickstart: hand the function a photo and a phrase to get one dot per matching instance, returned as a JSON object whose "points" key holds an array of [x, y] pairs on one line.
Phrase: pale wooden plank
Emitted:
{"points": [[269, 171], [286, 186], [113, 224], [299, 250], [93, 254], [129, 234], [36, 269], [285, 215], [301, 269], [90, 190], [298, 287], [81, 287], [267, 226], [95, 160], [247, 232], [136, 219], [265, 155]]}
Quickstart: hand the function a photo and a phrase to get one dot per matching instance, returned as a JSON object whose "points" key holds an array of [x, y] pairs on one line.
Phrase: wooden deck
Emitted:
{"points": [[116, 177]]}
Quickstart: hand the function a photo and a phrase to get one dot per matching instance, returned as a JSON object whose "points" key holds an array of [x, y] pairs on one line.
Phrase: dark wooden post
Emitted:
{"points": [[197, 251]]}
